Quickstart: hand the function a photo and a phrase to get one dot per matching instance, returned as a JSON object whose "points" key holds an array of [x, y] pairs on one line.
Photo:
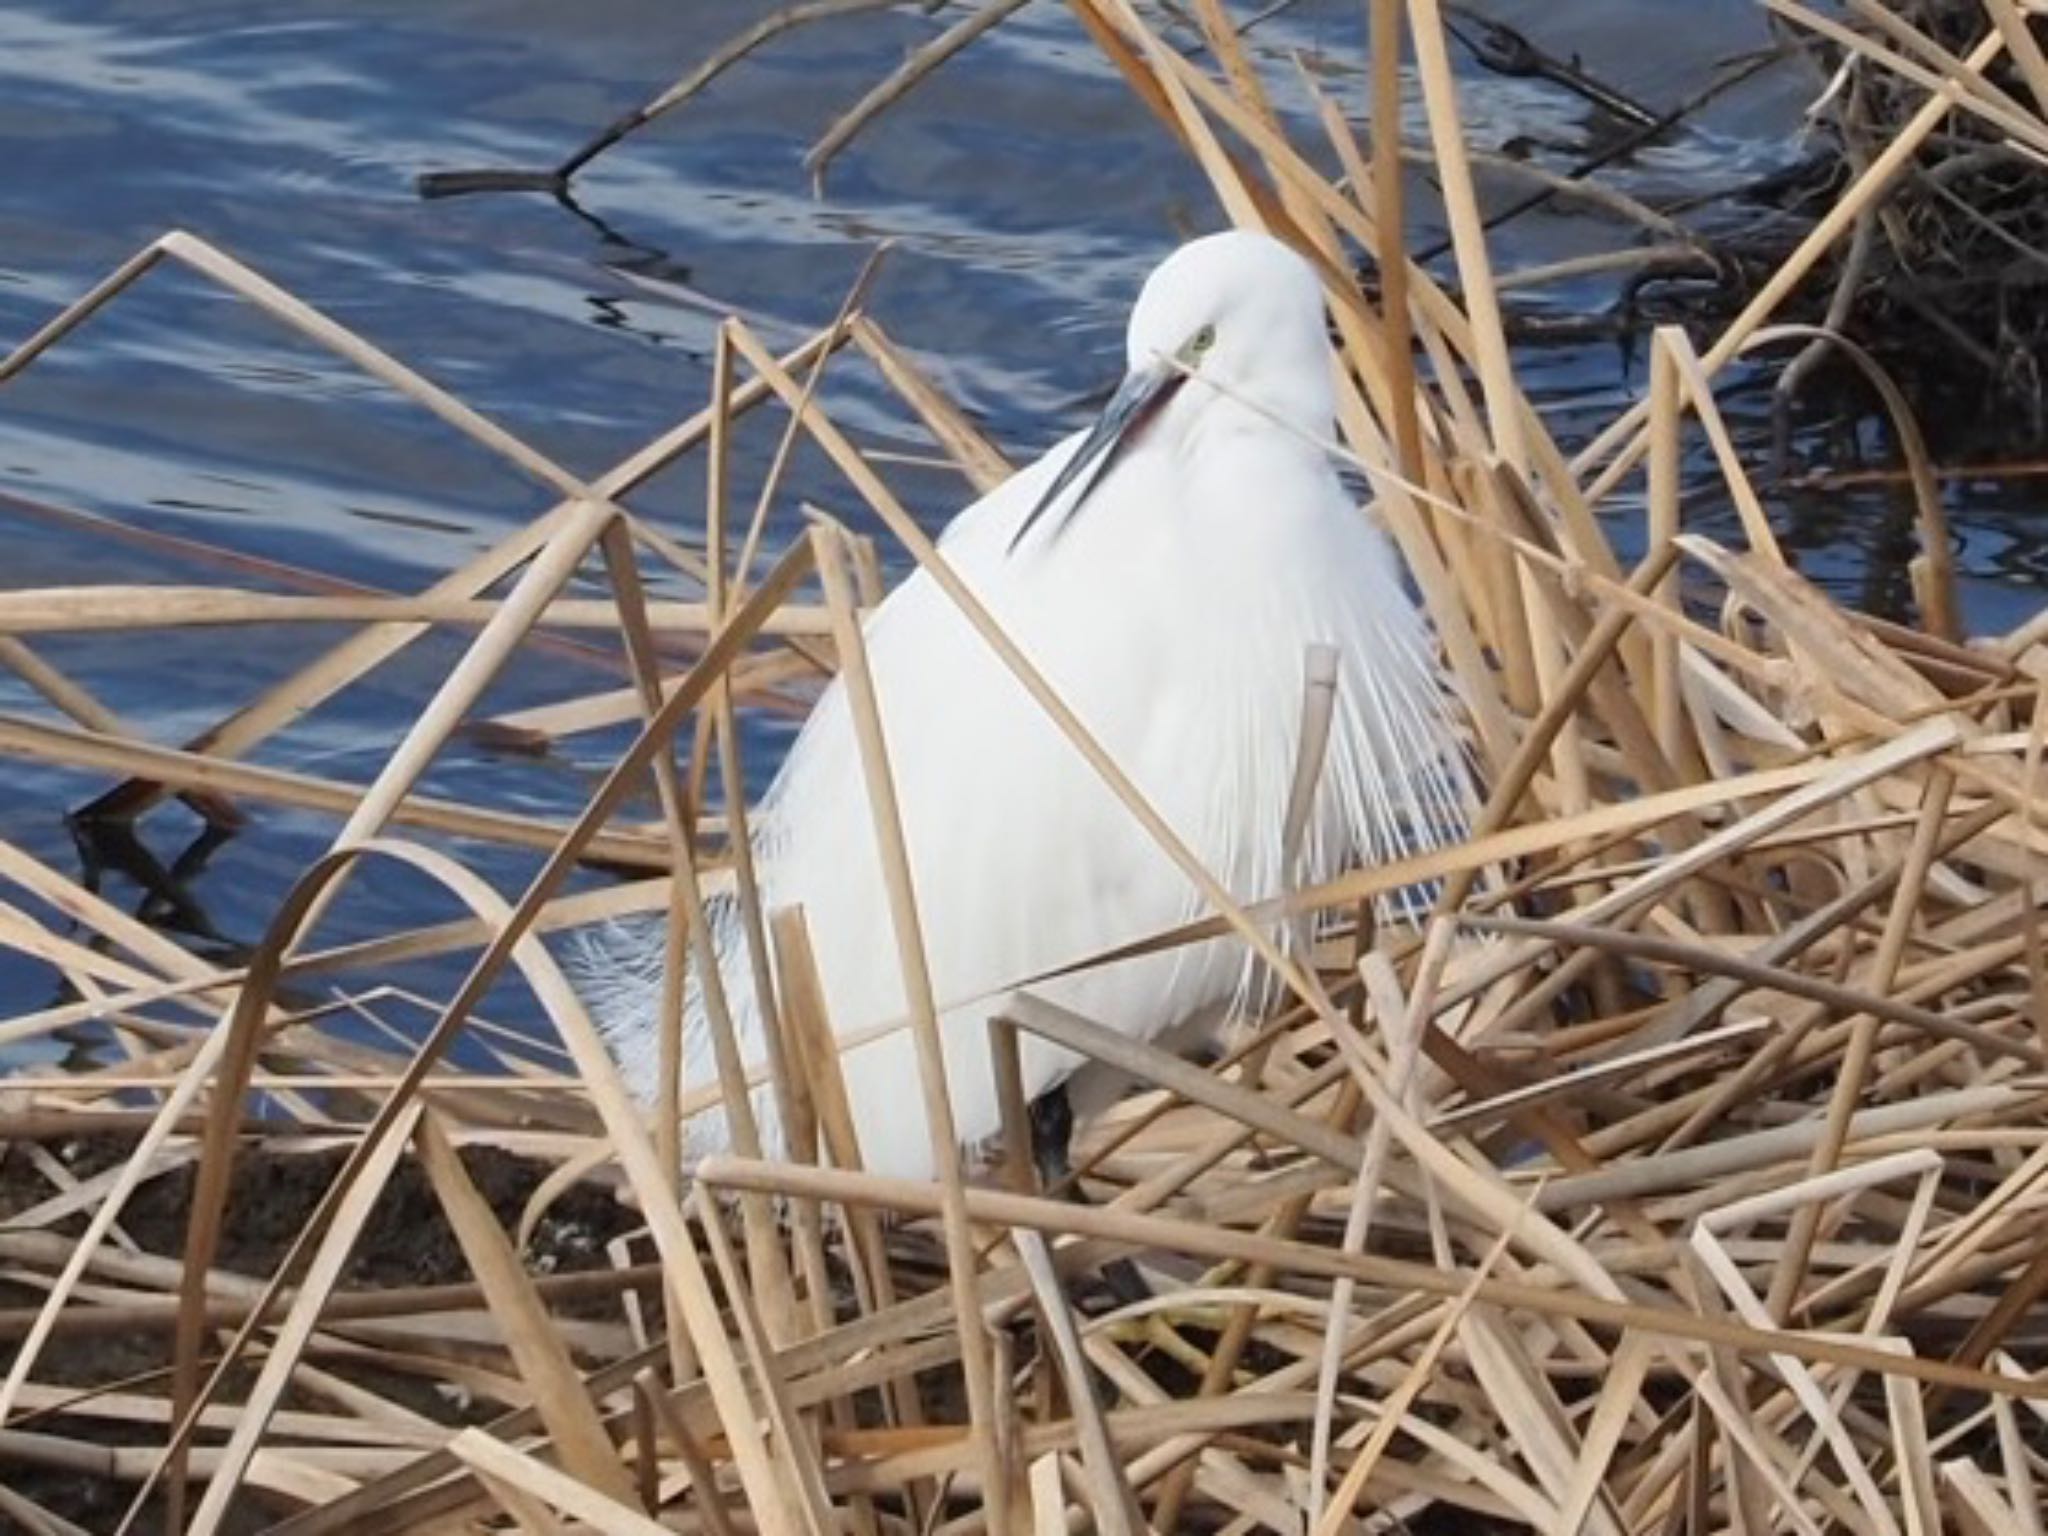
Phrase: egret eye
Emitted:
{"points": [[1202, 341]]}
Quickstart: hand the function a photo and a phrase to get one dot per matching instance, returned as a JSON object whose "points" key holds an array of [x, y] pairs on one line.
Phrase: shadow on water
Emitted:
{"points": [[585, 322]]}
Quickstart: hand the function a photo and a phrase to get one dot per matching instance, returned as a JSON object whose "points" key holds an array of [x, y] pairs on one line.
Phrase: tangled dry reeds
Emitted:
{"points": [[1685, 1171]]}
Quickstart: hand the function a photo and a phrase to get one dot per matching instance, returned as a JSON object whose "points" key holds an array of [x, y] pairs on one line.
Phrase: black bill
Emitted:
{"points": [[1137, 400]]}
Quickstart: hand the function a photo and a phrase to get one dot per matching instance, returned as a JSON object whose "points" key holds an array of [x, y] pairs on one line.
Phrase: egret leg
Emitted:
{"points": [[1052, 1137], [1052, 1140], [1052, 1149]]}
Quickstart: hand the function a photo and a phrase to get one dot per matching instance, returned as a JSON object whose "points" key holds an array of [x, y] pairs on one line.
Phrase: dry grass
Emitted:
{"points": [[1707, 1195]]}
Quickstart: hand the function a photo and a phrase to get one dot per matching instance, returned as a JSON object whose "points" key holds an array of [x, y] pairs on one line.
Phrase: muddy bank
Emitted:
{"points": [[405, 1269]]}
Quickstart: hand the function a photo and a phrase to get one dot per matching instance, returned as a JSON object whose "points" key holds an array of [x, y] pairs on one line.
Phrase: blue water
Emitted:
{"points": [[1025, 192]]}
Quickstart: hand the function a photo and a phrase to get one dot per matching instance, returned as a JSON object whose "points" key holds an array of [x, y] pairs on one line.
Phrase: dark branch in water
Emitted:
{"points": [[789, 18], [1506, 51], [463, 183], [1743, 69]]}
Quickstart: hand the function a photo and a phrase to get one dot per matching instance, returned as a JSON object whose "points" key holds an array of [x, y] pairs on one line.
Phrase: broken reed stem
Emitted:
{"points": [[975, 1352], [1907, 896]]}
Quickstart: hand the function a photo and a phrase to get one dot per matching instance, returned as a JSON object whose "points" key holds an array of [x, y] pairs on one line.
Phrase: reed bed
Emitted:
{"points": [[1684, 1170]]}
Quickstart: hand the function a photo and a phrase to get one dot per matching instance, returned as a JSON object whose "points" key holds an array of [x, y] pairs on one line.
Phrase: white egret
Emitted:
{"points": [[1168, 571]]}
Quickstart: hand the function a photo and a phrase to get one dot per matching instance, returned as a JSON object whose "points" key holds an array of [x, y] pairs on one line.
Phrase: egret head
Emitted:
{"points": [[1231, 321]]}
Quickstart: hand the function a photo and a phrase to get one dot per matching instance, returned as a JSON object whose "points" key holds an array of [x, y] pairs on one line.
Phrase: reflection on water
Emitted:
{"points": [[1024, 189]]}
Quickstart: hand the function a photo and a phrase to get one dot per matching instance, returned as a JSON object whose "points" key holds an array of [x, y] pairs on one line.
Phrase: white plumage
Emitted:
{"points": [[1172, 604]]}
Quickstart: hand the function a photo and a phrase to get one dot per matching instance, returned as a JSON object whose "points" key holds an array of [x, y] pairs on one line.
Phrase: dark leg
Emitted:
{"points": [[1052, 1145], [1052, 1136]]}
